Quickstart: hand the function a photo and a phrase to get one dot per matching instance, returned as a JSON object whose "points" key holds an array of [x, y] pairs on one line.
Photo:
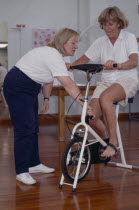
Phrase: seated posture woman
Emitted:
{"points": [[117, 84], [34, 70]]}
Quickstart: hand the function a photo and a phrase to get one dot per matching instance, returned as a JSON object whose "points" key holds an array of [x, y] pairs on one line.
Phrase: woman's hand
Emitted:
{"points": [[68, 66], [45, 107], [109, 65], [90, 111]]}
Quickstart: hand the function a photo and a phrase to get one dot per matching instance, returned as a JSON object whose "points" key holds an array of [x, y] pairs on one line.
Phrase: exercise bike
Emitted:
{"points": [[81, 152]]}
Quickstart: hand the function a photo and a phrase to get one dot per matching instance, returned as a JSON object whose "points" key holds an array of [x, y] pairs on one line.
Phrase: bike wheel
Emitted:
{"points": [[70, 160]]}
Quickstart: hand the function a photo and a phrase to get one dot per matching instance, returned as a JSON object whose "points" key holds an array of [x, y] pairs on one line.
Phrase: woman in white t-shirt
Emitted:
{"points": [[117, 84], [34, 70]]}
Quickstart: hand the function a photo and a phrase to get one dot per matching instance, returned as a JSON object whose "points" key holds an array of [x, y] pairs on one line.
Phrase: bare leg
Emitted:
{"points": [[115, 93], [97, 123]]}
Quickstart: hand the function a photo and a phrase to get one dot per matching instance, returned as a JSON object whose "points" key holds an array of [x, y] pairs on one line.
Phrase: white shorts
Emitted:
{"points": [[129, 85]]}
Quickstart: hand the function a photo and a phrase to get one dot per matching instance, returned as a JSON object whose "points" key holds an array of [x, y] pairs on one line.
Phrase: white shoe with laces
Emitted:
{"points": [[25, 178], [41, 169]]}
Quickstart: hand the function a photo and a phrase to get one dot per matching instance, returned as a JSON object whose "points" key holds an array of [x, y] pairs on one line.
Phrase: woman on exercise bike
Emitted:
{"points": [[117, 83]]}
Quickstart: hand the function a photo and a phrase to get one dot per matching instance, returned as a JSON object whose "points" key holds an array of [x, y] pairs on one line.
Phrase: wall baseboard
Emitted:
{"points": [[53, 118], [72, 118]]}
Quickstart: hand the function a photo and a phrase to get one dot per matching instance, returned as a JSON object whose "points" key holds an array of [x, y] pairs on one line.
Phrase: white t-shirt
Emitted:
{"points": [[42, 64], [102, 50], [66, 60]]}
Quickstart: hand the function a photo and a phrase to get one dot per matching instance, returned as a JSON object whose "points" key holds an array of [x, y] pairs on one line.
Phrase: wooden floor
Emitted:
{"points": [[105, 187]]}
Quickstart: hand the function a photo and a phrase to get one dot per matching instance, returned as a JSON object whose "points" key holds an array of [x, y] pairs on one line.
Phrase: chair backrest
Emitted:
{"points": [[130, 100]]}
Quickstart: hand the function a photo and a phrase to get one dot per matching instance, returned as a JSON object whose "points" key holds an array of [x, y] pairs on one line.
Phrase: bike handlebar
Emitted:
{"points": [[94, 68]]}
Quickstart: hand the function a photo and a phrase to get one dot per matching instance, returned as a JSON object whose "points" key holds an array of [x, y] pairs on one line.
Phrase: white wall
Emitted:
{"points": [[130, 9], [40, 14], [37, 14]]}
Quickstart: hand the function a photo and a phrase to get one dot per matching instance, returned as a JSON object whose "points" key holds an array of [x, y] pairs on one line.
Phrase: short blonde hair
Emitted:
{"points": [[114, 14], [61, 38]]}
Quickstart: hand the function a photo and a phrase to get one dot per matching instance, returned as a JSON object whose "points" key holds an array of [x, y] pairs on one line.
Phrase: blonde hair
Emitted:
{"points": [[61, 38], [114, 14]]}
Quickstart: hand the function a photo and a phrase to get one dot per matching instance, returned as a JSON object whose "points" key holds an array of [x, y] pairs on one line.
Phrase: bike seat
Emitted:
{"points": [[92, 68]]}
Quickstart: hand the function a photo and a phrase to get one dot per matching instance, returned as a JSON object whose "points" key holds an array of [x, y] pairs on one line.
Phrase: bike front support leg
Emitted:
{"points": [[80, 159], [61, 181]]}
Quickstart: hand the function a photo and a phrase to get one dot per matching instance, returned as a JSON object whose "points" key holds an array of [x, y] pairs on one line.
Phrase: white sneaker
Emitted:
{"points": [[41, 169], [25, 178]]}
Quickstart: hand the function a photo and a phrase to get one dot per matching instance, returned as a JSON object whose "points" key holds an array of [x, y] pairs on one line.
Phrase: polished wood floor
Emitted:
{"points": [[105, 187]]}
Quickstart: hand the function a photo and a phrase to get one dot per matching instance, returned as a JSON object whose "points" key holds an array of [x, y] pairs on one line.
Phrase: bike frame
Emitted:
{"points": [[88, 129]]}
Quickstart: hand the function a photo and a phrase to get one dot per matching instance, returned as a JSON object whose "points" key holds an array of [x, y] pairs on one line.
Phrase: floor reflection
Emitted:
{"points": [[90, 200]]}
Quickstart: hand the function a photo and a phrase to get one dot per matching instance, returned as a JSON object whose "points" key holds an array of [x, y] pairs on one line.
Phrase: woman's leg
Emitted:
{"points": [[21, 94], [114, 93], [25, 136], [97, 123], [34, 161]]}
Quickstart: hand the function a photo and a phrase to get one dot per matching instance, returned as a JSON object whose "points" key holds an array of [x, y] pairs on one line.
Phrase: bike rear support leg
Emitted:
{"points": [[120, 147]]}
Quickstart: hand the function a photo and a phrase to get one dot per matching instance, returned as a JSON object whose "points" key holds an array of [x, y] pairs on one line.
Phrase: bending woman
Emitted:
{"points": [[35, 70]]}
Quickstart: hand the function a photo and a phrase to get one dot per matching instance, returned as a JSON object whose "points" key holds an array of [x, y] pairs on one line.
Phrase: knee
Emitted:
{"points": [[105, 100]]}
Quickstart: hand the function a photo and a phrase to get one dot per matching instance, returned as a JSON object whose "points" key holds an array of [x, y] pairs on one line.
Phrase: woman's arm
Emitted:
{"points": [[82, 60], [46, 91], [130, 64], [71, 88]]}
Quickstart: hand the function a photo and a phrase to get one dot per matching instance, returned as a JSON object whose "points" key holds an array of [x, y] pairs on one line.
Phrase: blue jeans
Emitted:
{"points": [[21, 94]]}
